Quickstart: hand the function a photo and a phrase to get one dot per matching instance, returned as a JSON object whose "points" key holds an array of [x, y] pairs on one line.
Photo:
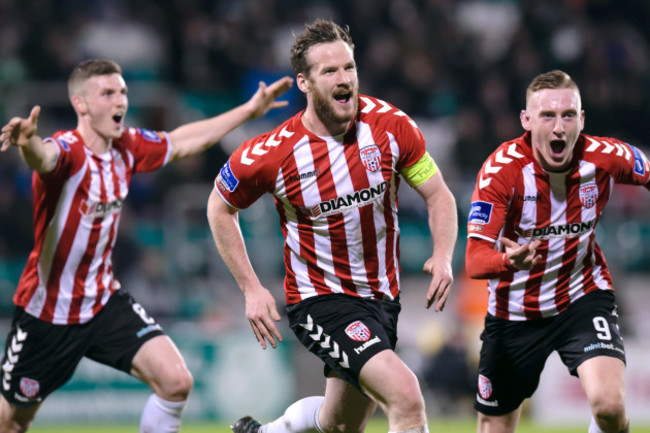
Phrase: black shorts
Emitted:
{"points": [[40, 357], [514, 352], [345, 331]]}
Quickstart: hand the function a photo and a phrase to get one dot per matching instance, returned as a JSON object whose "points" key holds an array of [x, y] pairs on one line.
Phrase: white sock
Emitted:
{"points": [[593, 426], [421, 429], [161, 416], [300, 417]]}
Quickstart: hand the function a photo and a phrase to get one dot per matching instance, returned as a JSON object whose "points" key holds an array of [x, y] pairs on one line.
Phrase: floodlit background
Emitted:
{"points": [[458, 68]]}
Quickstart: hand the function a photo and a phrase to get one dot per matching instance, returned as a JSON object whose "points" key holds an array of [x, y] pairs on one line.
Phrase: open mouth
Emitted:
{"points": [[117, 118], [343, 98], [557, 147]]}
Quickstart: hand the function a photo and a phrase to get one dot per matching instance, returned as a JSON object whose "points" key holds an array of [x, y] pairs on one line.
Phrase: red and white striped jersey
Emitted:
{"points": [[69, 273], [514, 197], [337, 201]]}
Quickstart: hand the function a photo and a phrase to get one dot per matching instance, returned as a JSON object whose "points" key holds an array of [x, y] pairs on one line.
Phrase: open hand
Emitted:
{"points": [[440, 286], [19, 130], [261, 313], [265, 98]]}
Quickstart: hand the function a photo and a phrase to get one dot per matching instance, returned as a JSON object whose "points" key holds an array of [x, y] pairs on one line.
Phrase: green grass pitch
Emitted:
{"points": [[376, 425]]}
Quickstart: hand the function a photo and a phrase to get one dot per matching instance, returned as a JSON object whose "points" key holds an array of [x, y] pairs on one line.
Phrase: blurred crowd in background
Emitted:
{"points": [[458, 67]]}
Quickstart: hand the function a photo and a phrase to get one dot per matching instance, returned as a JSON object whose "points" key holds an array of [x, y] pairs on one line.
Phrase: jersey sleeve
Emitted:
{"points": [[150, 149], [634, 170], [247, 175], [410, 140], [488, 210], [71, 156]]}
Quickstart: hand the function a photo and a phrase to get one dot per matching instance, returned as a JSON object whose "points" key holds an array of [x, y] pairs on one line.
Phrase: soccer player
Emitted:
{"points": [[69, 304], [334, 171], [531, 232]]}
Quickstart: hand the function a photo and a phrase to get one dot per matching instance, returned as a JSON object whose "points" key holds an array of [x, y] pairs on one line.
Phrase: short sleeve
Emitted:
{"points": [[150, 149], [411, 142], [247, 175]]}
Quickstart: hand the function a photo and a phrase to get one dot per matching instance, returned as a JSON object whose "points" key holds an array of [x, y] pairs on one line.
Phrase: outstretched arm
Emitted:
{"points": [[38, 155], [261, 309], [195, 137], [443, 224]]}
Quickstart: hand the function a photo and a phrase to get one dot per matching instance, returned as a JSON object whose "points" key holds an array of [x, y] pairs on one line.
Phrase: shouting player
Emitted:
{"points": [[69, 305], [532, 233], [334, 171]]}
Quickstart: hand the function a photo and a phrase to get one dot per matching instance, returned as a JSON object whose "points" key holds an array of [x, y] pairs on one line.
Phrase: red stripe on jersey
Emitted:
{"points": [[571, 245], [503, 297]]}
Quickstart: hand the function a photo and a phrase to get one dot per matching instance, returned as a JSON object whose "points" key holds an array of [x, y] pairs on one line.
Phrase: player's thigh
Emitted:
{"points": [[160, 364], [121, 329], [128, 339], [603, 379], [589, 329], [389, 381], [345, 408], [15, 418], [498, 424]]}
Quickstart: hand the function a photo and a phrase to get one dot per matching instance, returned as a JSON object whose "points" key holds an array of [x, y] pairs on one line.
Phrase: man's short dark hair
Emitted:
{"points": [[321, 31]]}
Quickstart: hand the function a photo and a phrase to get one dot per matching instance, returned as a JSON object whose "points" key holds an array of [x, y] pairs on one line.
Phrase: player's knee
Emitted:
{"points": [[407, 401], [178, 386], [609, 410]]}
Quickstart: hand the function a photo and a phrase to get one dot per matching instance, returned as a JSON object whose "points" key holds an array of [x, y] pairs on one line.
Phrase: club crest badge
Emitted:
{"points": [[29, 387], [358, 331], [371, 158], [588, 195], [484, 387]]}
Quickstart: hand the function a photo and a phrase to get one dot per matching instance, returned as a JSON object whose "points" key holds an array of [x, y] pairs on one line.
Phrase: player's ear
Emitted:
{"points": [[303, 83], [524, 117], [79, 104]]}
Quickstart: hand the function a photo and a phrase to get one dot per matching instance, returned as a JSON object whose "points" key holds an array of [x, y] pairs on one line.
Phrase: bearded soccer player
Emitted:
{"points": [[334, 171], [69, 305], [531, 232]]}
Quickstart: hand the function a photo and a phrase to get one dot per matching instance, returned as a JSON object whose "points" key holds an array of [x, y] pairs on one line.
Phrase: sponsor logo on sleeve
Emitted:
{"points": [[226, 178], [150, 135], [639, 161], [480, 213]]}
